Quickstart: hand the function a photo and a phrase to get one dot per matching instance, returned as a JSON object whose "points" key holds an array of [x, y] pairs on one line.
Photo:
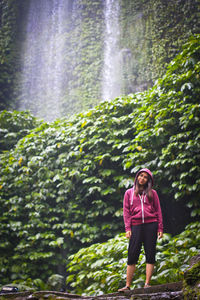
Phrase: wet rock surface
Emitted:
{"points": [[164, 291]]}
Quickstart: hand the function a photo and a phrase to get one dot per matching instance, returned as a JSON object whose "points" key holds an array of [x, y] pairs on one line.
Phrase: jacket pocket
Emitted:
{"points": [[149, 210]]}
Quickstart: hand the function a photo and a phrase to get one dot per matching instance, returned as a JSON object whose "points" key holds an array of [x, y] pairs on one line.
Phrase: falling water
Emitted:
{"points": [[43, 58], [112, 61], [53, 50]]}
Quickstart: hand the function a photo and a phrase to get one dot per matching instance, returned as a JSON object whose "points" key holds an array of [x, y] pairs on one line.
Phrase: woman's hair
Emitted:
{"points": [[147, 188]]}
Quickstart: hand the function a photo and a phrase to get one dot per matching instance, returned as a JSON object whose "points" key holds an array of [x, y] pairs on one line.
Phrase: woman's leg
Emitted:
{"points": [[149, 273], [135, 244], [134, 249], [150, 238], [129, 274]]}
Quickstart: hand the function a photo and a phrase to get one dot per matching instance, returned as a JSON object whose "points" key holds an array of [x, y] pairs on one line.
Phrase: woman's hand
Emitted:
{"points": [[128, 234], [160, 235]]}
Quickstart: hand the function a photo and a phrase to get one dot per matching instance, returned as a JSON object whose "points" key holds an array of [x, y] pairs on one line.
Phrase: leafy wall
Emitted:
{"points": [[62, 185], [14, 126], [152, 33], [8, 13], [83, 60]]}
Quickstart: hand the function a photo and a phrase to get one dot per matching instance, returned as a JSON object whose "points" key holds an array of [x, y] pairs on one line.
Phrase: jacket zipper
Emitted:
{"points": [[141, 199]]}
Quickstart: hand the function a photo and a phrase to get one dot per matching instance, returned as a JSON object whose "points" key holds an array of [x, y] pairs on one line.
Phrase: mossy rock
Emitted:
{"points": [[56, 282], [191, 282]]}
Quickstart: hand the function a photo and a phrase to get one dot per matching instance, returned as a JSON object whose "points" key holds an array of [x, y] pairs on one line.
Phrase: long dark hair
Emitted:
{"points": [[147, 188]]}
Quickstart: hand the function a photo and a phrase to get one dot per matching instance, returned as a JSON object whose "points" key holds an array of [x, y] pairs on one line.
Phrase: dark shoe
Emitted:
{"points": [[126, 288]]}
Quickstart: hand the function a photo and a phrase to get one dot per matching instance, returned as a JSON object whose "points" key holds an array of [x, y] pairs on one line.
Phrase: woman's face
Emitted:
{"points": [[142, 178]]}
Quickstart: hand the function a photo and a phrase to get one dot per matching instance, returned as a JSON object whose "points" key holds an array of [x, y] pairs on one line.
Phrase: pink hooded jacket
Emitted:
{"points": [[139, 209]]}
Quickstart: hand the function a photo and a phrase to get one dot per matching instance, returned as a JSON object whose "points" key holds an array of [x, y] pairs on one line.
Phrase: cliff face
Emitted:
{"points": [[151, 34], [154, 30]]}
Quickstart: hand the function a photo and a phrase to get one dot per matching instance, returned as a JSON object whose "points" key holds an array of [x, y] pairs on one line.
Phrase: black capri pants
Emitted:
{"points": [[145, 234]]}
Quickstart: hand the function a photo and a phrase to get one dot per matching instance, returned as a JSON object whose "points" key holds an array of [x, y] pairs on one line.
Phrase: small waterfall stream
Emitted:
{"points": [[112, 57], [43, 58]]}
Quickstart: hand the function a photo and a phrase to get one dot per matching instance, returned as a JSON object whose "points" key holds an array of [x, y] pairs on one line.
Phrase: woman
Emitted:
{"points": [[143, 224]]}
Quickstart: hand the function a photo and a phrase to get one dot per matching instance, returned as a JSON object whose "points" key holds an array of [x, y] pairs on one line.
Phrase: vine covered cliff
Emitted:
{"points": [[150, 34]]}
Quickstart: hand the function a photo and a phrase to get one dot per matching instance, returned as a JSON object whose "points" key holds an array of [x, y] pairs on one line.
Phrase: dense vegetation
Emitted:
{"points": [[13, 126], [101, 268], [152, 32], [61, 185], [8, 16]]}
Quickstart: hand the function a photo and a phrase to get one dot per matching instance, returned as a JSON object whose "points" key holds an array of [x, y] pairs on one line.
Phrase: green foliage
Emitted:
{"points": [[61, 187], [84, 56], [101, 268], [14, 126], [8, 29]]}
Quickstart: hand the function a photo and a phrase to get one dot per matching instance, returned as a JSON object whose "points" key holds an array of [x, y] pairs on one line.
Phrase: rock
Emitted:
{"points": [[189, 289], [164, 291], [56, 282], [14, 288], [191, 282]]}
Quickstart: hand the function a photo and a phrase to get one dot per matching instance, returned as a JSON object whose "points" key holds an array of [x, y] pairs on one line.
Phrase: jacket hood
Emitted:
{"points": [[144, 170]]}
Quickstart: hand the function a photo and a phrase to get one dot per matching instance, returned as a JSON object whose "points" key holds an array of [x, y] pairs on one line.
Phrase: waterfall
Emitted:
{"points": [[42, 76], [58, 67], [111, 86]]}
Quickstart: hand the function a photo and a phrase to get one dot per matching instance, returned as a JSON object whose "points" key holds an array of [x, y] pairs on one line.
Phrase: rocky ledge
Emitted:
{"points": [[164, 291], [189, 289]]}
